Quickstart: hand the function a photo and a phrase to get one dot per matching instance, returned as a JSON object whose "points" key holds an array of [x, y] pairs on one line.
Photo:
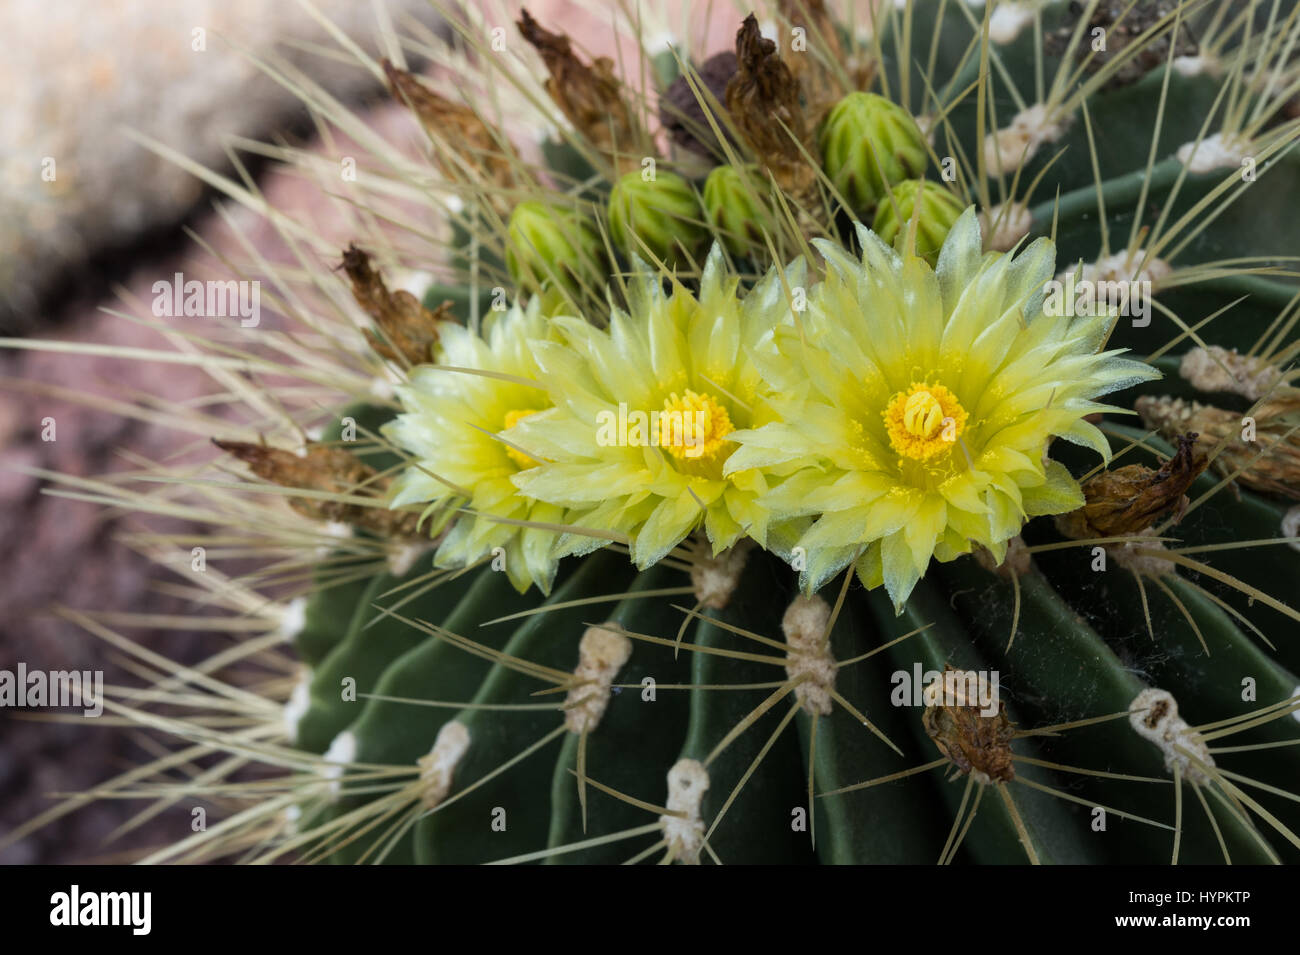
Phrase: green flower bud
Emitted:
{"points": [[940, 210], [662, 213], [733, 199], [867, 142], [553, 252]]}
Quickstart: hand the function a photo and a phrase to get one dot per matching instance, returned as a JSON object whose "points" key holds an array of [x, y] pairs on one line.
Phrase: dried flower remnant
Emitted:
{"points": [[590, 96], [978, 745], [1128, 500], [476, 143], [815, 69], [1260, 449], [407, 330], [763, 100], [330, 471]]}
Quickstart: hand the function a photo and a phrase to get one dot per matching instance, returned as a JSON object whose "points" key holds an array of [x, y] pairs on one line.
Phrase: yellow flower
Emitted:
{"points": [[458, 421], [645, 412], [918, 404]]}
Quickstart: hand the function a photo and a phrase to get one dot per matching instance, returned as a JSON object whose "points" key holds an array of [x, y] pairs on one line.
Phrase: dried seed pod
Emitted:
{"points": [[764, 103], [1128, 500], [591, 96], [868, 144], [1264, 445], [479, 145], [332, 471], [940, 210], [409, 330], [1123, 23], [977, 744]]}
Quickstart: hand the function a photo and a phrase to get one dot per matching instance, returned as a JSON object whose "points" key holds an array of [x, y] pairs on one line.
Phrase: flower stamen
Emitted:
{"points": [[512, 418], [924, 421], [693, 426]]}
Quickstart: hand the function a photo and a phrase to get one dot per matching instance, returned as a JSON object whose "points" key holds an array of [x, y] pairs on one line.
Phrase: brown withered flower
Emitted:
{"points": [[1128, 500], [977, 744], [408, 330], [1124, 22], [331, 471], [590, 96], [823, 69], [1261, 447], [764, 103], [477, 145]]}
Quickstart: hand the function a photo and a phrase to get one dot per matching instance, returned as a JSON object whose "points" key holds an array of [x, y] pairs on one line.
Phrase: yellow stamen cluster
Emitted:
{"points": [[693, 427], [925, 421], [513, 418]]}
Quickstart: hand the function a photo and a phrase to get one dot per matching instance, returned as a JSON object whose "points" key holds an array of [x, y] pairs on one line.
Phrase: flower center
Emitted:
{"points": [[693, 426], [513, 418], [924, 421]]}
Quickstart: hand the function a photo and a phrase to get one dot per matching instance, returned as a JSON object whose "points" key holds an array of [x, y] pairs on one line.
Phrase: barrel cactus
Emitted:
{"points": [[975, 541]]}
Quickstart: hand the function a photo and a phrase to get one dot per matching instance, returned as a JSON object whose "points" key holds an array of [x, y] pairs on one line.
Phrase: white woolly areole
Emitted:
{"points": [[293, 618], [1195, 65], [659, 41], [438, 766], [1008, 149], [342, 751], [1214, 152], [1008, 19], [1121, 267], [805, 624], [684, 833], [1295, 714], [1153, 714], [1004, 225], [291, 815], [402, 555], [715, 578], [601, 654], [1291, 528], [297, 705], [1016, 563], [1221, 369], [1144, 565]]}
